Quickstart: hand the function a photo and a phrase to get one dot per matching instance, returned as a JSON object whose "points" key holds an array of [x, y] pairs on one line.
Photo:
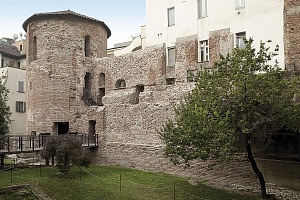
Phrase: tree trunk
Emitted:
{"points": [[256, 170], [47, 161], [52, 160]]}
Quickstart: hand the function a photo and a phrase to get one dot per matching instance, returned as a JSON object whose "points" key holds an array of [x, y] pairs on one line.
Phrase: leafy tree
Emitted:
{"points": [[4, 111], [244, 95], [4, 114], [66, 151]]}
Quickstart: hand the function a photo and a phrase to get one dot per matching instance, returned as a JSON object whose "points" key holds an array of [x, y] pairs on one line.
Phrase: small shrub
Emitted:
{"points": [[66, 151]]}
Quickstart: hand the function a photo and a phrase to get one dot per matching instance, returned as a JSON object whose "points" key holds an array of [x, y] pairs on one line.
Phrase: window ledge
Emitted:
{"points": [[203, 17], [119, 88], [239, 7]]}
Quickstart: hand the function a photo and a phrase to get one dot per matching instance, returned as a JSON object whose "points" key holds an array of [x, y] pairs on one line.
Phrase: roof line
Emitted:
{"points": [[65, 12]]}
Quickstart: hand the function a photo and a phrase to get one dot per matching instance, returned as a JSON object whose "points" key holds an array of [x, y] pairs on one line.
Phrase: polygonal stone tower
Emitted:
{"points": [[60, 44]]}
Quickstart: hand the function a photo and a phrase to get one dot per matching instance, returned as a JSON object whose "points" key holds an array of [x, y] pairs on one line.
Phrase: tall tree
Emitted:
{"points": [[244, 95]]}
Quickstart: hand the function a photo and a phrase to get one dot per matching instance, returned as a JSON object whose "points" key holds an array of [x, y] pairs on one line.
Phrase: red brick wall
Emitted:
{"points": [[292, 34], [186, 56]]}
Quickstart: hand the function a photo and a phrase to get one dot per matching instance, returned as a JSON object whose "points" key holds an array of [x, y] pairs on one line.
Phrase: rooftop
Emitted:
{"points": [[10, 51], [60, 13]]}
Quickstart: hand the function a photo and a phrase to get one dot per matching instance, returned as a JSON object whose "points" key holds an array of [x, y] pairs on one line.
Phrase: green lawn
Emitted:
{"points": [[95, 183]]}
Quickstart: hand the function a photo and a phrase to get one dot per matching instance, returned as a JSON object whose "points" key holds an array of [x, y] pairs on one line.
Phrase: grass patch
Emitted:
{"points": [[113, 183]]}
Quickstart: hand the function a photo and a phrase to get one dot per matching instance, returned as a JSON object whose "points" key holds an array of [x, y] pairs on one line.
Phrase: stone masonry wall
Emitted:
{"points": [[291, 34], [132, 140], [52, 79], [127, 123], [145, 67]]}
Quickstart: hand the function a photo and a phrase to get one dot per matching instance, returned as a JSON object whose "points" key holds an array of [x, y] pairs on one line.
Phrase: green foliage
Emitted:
{"points": [[67, 151], [243, 94], [4, 111]]}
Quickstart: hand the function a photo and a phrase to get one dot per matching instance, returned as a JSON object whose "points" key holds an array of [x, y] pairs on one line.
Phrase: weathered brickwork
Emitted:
{"points": [[220, 42], [133, 110], [186, 56], [291, 34], [52, 78]]}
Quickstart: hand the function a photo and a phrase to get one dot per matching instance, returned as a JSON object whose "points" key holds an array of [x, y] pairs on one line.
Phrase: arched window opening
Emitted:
{"points": [[102, 80], [120, 83], [34, 48], [87, 46]]}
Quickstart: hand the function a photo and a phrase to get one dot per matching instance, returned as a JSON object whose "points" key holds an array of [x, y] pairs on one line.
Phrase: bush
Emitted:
{"points": [[66, 151]]}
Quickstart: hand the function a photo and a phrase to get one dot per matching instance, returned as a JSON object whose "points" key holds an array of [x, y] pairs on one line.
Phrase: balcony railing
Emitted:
{"points": [[88, 98], [12, 144]]}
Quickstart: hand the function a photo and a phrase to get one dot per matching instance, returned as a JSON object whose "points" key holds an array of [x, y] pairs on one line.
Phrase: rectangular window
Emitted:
{"points": [[202, 8], [239, 4], [171, 16], [204, 51], [20, 106], [240, 40], [170, 81], [21, 47], [2, 62], [21, 86], [171, 56], [19, 65]]}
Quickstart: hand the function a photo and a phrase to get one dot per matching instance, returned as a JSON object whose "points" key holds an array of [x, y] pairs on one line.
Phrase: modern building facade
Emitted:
{"points": [[13, 77], [219, 26]]}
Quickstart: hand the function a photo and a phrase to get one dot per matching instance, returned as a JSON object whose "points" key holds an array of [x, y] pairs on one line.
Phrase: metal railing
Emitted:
{"points": [[11, 144]]}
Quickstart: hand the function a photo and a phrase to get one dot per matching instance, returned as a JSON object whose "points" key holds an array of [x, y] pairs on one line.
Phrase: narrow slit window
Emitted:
{"points": [[87, 46], [34, 49]]}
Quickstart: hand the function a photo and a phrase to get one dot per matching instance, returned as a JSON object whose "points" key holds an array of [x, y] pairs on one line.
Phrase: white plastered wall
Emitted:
{"points": [[261, 20]]}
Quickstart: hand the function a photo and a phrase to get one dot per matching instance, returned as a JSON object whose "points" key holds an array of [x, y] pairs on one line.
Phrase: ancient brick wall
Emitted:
{"points": [[220, 42], [186, 56], [52, 78], [291, 34], [131, 139], [127, 122], [145, 67]]}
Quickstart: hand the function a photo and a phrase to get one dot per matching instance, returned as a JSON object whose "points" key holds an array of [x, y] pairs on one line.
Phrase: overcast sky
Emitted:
{"points": [[123, 17]]}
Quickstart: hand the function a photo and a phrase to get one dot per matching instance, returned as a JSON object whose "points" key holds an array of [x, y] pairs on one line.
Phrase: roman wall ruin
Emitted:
{"points": [[128, 96]]}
